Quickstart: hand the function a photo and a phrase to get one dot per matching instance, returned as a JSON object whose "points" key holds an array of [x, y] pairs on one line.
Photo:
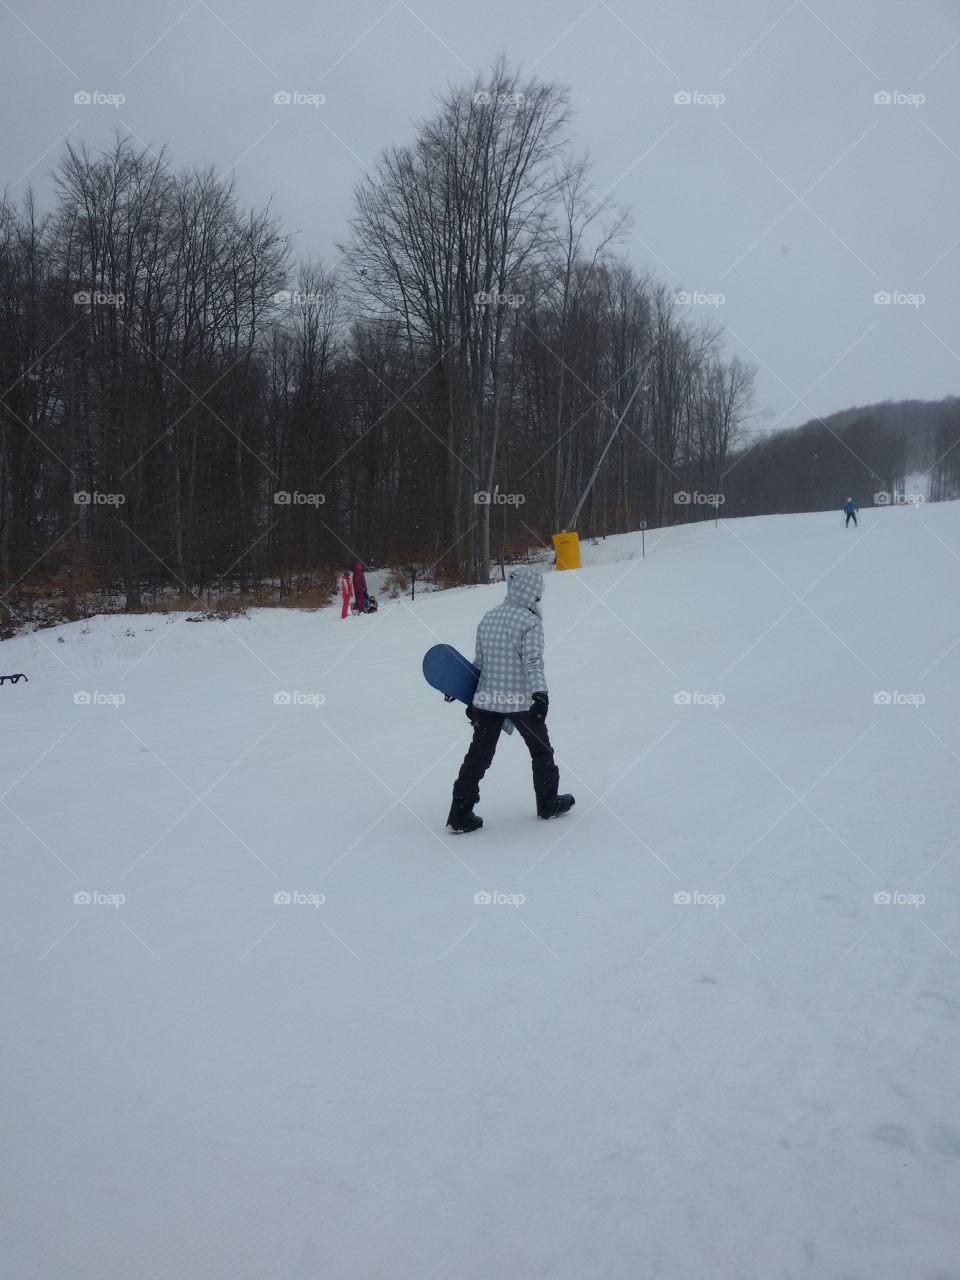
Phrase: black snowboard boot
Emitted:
{"points": [[462, 819], [556, 807]]}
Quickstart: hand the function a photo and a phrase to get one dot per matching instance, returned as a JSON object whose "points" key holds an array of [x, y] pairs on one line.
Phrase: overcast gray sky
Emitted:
{"points": [[798, 197]]}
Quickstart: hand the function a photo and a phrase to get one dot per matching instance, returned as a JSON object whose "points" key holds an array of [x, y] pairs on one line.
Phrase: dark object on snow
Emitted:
{"points": [[462, 819], [371, 605], [14, 679], [561, 805]]}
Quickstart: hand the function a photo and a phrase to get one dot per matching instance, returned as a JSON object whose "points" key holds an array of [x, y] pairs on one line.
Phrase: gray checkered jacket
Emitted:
{"points": [[510, 647]]}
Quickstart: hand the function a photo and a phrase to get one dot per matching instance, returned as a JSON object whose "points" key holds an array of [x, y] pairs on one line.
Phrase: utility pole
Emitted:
{"points": [[606, 449]]}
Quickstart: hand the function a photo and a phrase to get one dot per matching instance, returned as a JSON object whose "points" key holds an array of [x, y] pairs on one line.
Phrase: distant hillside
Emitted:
{"points": [[888, 448]]}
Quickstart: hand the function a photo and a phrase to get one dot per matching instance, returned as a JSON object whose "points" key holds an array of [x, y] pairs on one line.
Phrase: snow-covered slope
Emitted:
{"points": [[588, 1075]]}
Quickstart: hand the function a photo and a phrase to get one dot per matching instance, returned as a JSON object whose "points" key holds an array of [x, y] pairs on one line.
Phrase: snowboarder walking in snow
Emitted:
{"points": [[359, 588], [345, 592], [851, 508], [512, 686]]}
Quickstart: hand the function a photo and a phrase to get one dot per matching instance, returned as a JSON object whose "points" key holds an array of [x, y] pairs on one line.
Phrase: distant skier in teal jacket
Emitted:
{"points": [[851, 508]]}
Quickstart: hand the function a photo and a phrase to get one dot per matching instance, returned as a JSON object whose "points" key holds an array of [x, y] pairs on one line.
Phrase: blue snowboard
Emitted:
{"points": [[454, 675]]}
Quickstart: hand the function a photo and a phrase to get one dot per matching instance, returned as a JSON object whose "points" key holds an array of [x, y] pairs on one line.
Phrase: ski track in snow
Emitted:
{"points": [[600, 1082]]}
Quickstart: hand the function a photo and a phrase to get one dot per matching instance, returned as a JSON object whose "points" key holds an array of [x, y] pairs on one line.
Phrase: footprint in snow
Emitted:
{"points": [[946, 1141], [947, 1007], [891, 1135]]}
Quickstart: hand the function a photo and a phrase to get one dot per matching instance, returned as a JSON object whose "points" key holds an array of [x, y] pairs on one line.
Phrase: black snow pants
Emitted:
{"points": [[487, 727], [851, 515]]}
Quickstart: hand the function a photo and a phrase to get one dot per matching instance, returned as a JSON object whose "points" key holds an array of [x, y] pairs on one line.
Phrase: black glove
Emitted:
{"points": [[538, 712], [471, 712], [448, 697]]}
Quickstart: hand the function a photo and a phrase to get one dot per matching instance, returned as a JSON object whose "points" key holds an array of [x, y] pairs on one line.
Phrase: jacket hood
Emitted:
{"points": [[524, 587]]}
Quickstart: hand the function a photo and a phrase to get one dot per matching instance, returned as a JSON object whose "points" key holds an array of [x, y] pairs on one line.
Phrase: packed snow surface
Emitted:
{"points": [[707, 1025]]}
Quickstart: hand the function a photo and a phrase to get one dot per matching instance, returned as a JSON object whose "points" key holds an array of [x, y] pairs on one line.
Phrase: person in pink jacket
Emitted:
{"points": [[345, 592], [359, 588]]}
